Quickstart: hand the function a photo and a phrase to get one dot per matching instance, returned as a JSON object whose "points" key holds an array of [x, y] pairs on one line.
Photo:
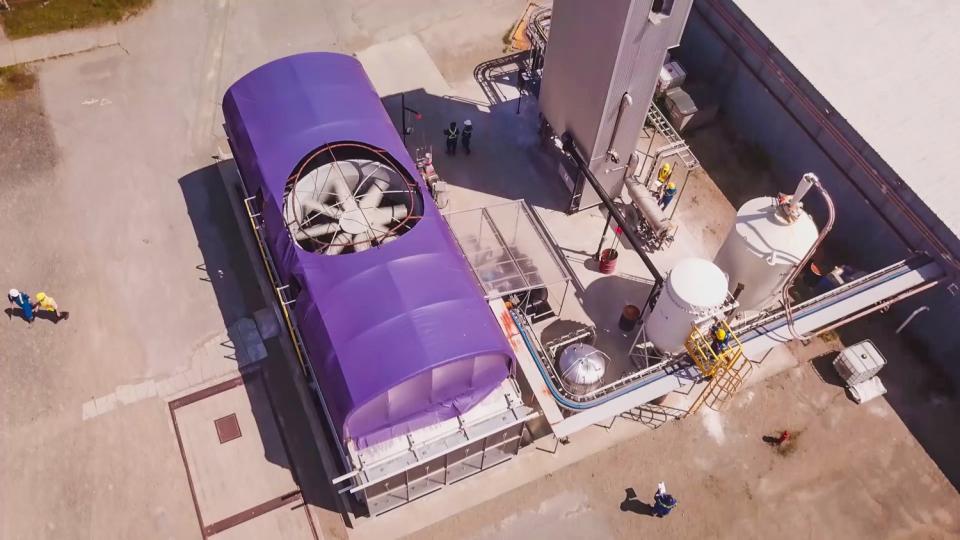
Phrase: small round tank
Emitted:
{"points": [[582, 367], [761, 250], [695, 289]]}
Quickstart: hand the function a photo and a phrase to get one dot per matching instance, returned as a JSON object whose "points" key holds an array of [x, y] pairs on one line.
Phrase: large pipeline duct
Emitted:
{"points": [[649, 207]]}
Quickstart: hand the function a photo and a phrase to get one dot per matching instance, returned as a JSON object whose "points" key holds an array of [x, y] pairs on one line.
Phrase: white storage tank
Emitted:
{"points": [[695, 289], [763, 248]]}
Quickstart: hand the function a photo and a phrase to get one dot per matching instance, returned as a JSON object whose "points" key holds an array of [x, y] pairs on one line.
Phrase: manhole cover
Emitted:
{"points": [[228, 428]]}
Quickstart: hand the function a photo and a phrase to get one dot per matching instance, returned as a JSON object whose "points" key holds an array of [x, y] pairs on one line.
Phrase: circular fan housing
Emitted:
{"points": [[349, 197]]}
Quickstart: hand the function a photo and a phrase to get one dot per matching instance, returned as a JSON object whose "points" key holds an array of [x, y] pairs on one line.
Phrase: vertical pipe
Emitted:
{"points": [[625, 101], [603, 237], [785, 292]]}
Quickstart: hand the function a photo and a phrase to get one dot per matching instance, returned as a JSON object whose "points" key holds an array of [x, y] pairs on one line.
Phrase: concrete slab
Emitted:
{"points": [[31, 49], [289, 521], [242, 473], [402, 65], [849, 467]]}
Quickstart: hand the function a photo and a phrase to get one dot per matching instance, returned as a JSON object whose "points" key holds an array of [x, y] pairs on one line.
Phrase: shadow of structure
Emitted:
{"points": [[230, 269], [630, 503], [823, 367], [507, 159], [653, 415], [922, 394]]}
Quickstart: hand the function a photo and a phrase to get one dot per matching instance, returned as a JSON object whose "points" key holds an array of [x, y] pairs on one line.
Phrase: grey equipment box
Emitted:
{"points": [[859, 362], [680, 108]]}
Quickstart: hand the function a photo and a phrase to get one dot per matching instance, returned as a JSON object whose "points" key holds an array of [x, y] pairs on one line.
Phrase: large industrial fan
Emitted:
{"points": [[348, 198]]}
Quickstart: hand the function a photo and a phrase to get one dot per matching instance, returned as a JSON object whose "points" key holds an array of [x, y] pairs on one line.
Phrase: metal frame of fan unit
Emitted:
{"points": [[376, 155]]}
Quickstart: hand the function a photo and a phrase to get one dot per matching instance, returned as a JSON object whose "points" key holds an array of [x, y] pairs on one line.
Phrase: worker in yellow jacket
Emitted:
{"points": [[46, 302]]}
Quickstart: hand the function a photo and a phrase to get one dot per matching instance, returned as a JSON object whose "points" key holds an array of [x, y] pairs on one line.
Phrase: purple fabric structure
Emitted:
{"points": [[399, 336]]}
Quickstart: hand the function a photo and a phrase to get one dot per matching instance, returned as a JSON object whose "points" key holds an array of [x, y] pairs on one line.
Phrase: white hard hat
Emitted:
{"points": [[467, 123], [13, 293]]}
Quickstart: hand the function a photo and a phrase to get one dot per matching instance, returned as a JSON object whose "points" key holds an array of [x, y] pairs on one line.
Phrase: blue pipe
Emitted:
{"points": [[563, 401]]}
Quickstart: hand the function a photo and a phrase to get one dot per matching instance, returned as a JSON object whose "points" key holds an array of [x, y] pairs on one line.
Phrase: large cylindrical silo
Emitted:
{"points": [[762, 248], [694, 290]]}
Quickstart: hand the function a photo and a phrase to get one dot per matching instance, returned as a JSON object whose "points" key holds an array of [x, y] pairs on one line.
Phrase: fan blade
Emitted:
{"points": [[325, 209], [339, 242], [363, 241], [390, 237], [374, 196], [316, 230], [382, 217], [337, 183], [364, 179]]}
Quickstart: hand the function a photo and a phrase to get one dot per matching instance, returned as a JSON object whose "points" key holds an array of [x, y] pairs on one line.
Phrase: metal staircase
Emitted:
{"points": [[675, 143]]}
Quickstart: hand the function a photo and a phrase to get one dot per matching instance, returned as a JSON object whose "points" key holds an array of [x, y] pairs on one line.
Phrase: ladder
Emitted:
{"points": [[675, 143], [723, 386], [726, 368]]}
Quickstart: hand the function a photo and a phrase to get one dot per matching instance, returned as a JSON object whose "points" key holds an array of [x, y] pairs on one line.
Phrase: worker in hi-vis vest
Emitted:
{"points": [[663, 502], [665, 173], [452, 134], [668, 195]]}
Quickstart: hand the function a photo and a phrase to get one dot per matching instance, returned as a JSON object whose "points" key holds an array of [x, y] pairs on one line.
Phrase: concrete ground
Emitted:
{"points": [[852, 472], [113, 206]]}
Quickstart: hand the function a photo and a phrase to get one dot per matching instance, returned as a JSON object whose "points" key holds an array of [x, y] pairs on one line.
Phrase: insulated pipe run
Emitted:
{"points": [[813, 181]]}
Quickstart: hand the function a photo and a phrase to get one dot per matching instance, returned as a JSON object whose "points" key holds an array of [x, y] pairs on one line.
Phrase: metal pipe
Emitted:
{"points": [[916, 312], [878, 307], [625, 102], [560, 398], [635, 242], [811, 179]]}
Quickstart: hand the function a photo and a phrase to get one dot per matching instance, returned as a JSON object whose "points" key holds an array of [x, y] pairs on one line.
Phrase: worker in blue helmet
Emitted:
{"points": [[667, 196], [663, 502], [22, 301]]}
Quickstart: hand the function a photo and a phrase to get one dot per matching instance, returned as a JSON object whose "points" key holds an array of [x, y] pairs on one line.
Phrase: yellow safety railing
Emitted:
{"points": [[726, 369], [710, 362]]}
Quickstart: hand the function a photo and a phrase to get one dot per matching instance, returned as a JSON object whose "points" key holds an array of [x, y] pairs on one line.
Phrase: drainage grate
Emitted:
{"points": [[228, 428]]}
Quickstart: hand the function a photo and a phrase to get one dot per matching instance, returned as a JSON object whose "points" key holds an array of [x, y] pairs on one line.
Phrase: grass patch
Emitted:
{"points": [[36, 18], [14, 79]]}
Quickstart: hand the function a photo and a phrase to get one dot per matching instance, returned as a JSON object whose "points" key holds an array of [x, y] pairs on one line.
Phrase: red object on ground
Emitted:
{"points": [[784, 437], [608, 261]]}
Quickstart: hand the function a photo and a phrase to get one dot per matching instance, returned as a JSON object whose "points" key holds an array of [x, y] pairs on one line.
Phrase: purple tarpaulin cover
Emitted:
{"points": [[399, 336]]}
